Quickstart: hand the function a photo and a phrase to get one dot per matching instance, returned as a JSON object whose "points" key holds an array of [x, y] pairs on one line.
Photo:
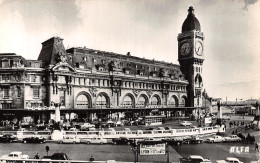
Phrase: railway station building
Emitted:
{"points": [[93, 84]]}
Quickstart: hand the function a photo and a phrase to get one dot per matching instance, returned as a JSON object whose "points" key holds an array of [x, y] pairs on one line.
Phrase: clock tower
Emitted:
{"points": [[191, 57]]}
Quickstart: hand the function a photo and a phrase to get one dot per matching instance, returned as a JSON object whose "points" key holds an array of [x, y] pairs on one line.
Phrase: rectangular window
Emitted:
{"points": [[62, 97], [6, 105], [19, 92], [35, 105], [6, 92], [5, 63], [36, 92], [33, 78]]}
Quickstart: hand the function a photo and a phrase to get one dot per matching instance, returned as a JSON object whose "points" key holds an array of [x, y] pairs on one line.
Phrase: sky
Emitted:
{"points": [[146, 28]]}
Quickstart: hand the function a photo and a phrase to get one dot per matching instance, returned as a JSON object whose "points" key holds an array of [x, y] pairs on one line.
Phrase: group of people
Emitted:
{"points": [[236, 124]]}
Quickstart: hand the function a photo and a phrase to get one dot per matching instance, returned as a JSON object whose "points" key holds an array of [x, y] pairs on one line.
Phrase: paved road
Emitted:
{"points": [[124, 152]]}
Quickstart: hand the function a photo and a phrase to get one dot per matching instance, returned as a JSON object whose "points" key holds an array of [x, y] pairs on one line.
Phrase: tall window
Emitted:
{"points": [[141, 102], [19, 92], [173, 101], [5, 63], [183, 102], [6, 92], [62, 97], [33, 78], [127, 103], [82, 102], [6, 105], [155, 101], [101, 102], [36, 92]]}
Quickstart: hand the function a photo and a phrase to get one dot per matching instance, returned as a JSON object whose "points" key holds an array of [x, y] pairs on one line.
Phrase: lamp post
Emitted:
{"points": [[101, 96], [135, 150], [257, 107]]}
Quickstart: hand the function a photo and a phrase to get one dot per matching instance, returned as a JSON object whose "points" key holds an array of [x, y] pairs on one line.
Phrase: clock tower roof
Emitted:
{"points": [[191, 22]]}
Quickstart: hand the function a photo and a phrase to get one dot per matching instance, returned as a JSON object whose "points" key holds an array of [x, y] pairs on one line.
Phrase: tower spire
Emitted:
{"points": [[191, 10]]}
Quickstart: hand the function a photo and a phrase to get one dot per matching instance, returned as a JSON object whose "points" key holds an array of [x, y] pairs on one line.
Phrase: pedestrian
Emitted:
{"points": [[37, 156], [256, 147], [91, 159]]}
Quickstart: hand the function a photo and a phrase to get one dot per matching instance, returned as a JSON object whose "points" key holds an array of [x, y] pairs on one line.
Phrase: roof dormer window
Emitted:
{"points": [[5, 63]]}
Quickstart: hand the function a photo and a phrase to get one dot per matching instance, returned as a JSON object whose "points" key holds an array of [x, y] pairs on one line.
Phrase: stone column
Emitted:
{"points": [[57, 112]]}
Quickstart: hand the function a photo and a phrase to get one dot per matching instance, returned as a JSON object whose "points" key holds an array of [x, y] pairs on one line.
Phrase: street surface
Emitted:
{"points": [[214, 152]]}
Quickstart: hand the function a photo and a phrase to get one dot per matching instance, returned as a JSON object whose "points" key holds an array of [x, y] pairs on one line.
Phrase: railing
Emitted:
{"points": [[116, 134], [51, 161]]}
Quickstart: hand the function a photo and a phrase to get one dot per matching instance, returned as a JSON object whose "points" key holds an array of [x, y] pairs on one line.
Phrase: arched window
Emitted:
{"points": [[141, 103], [183, 102], [155, 101], [101, 101], [173, 101], [128, 102], [82, 102]]}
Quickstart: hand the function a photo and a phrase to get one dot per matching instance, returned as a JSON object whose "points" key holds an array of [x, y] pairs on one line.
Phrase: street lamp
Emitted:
{"points": [[135, 150], [101, 96]]}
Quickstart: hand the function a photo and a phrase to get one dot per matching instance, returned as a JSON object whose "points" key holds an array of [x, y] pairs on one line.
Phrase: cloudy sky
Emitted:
{"points": [[146, 28]]}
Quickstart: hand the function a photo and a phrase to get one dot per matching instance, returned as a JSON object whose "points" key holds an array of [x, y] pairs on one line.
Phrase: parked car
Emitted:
{"points": [[160, 128], [194, 159], [69, 140], [34, 140], [168, 128], [215, 139], [122, 140], [15, 155], [173, 141], [6, 138], [232, 138], [127, 129], [150, 128], [185, 123], [109, 123], [73, 129], [96, 140], [229, 160], [195, 140], [86, 126], [56, 156]]}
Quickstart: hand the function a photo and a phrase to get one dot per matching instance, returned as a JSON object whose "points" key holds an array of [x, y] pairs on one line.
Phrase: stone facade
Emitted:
{"points": [[91, 83]]}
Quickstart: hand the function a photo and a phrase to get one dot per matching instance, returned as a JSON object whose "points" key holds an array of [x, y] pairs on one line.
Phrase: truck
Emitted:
{"points": [[56, 156], [194, 159]]}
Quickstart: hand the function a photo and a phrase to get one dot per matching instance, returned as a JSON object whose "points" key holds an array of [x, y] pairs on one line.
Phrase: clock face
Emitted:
{"points": [[198, 48], [185, 48]]}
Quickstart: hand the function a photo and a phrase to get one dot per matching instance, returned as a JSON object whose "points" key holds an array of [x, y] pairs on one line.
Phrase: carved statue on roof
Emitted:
{"points": [[61, 57]]}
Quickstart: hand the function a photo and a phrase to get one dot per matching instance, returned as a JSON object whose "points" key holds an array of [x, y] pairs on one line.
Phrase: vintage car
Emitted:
{"points": [[192, 140], [34, 140], [6, 138], [215, 139], [232, 138], [96, 140], [185, 123], [195, 139], [173, 141], [15, 155], [86, 126], [229, 160], [55, 156], [194, 159], [122, 140], [69, 140]]}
